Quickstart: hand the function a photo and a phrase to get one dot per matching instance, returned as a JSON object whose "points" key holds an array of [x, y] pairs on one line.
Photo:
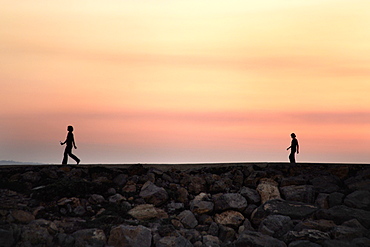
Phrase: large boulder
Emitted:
{"points": [[153, 194], [257, 239], [130, 236], [172, 241], [295, 210], [315, 236], [147, 212], [230, 218], [251, 195], [201, 204], [342, 213], [276, 225], [89, 237], [268, 190], [230, 201], [358, 199], [187, 218], [298, 193]]}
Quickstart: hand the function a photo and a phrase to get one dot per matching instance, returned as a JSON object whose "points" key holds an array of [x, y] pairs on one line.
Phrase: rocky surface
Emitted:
{"points": [[243, 205]]}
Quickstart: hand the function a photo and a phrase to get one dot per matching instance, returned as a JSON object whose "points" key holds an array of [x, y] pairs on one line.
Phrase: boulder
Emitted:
{"points": [[230, 201], [298, 193], [153, 194], [303, 243], [268, 190], [96, 199], [201, 204], [257, 239], [21, 216], [335, 199], [130, 236], [311, 235], [358, 199], [295, 210], [147, 211], [342, 213], [276, 225], [326, 184], [89, 237], [35, 235], [226, 234], [230, 218], [188, 219], [197, 185], [209, 240], [251, 195], [173, 242], [321, 225]]}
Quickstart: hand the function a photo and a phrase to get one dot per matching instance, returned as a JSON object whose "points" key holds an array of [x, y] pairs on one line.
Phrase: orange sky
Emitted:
{"points": [[185, 81]]}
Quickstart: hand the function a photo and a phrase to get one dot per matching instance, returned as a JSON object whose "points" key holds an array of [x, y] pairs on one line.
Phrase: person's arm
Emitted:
{"points": [[297, 147], [73, 142], [288, 148]]}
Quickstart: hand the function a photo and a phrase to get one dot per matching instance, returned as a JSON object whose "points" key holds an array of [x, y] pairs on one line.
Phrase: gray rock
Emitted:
{"points": [[321, 225], [212, 241], [335, 199], [201, 204], [117, 198], [345, 232], [295, 210], [342, 213], [226, 234], [89, 237], [325, 184], [22, 216], [153, 194], [230, 201], [358, 199], [298, 193], [315, 236], [303, 243], [34, 235], [188, 219], [173, 242], [276, 225], [197, 185], [147, 211], [133, 236], [96, 199], [251, 195], [257, 239]]}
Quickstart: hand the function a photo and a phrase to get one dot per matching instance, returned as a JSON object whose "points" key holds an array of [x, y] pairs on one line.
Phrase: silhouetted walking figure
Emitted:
{"points": [[70, 141], [294, 147]]}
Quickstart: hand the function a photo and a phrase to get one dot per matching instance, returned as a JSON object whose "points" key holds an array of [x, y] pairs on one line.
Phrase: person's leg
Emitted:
{"points": [[74, 157], [65, 157], [291, 157]]}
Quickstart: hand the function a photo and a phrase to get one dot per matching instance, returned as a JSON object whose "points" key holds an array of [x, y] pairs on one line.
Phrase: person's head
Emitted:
{"points": [[293, 135], [70, 128]]}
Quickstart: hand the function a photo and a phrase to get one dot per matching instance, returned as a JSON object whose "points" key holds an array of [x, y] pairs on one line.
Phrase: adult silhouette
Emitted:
{"points": [[70, 141], [294, 147]]}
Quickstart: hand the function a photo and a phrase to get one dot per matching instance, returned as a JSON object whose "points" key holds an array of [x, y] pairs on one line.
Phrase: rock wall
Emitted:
{"points": [[250, 205]]}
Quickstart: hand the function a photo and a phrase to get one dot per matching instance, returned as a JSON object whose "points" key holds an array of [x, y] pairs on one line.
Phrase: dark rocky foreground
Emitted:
{"points": [[242, 205]]}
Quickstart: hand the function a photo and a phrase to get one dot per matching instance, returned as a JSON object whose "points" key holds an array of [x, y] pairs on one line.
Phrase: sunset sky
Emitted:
{"points": [[185, 81]]}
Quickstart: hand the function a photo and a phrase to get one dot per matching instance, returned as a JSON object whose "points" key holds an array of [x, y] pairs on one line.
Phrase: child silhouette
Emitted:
{"points": [[70, 141]]}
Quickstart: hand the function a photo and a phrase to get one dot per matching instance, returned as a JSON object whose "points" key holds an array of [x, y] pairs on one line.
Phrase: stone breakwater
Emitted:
{"points": [[234, 206]]}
